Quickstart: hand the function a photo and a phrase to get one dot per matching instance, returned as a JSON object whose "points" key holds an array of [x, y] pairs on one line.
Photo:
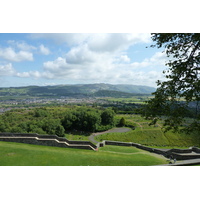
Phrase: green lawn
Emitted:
{"points": [[17, 154], [150, 135], [120, 149], [76, 137]]}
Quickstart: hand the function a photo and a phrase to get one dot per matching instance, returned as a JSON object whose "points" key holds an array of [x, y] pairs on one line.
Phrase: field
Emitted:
{"points": [[151, 135], [135, 99], [145, 134], [75, 136], [16, 154]]}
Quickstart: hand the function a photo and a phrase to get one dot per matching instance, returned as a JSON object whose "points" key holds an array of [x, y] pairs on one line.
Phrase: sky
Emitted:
{"points": [[79, 58], [49, 59]]}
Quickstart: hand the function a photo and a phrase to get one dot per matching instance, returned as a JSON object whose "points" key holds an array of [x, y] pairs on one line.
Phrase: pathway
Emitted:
{"points": [[114, 130], [184, 163], [141, 127]]}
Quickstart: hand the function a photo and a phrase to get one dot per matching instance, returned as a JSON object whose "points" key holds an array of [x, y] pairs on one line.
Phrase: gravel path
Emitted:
{"points": [[184, 163], [114, 130]]}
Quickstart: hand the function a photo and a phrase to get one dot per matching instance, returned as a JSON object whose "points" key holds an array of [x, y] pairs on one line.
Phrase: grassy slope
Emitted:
{"points": [[145, 134], [16, 154], [150, 135], [77, 137]]}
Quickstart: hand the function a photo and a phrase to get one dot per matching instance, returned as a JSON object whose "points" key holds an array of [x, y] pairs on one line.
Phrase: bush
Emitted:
{"points": [[104, 128], [122, 122]]}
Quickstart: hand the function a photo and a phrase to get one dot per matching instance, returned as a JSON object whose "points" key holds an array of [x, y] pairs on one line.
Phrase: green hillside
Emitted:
{"points": [[17, 154], [73, 90]]}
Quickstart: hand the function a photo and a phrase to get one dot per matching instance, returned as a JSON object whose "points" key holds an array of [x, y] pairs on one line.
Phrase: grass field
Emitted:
{"points": [[17, 154], [151, 135], [135, 99], [145, 134], [77, 137]]}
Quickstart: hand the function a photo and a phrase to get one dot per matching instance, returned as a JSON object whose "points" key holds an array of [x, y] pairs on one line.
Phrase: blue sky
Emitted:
{"points": [[74, 58]]}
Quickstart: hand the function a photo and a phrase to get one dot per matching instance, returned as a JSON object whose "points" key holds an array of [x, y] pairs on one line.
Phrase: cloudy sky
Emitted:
{"points": [[51, 59]]}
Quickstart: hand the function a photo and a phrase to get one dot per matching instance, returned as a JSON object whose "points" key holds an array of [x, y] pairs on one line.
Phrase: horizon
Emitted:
{"points": [[79, 58], [75, 84]]}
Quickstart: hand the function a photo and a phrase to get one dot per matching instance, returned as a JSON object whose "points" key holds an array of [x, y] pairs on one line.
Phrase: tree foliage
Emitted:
{"points": [[57, 120], [122, 122], [88, 119], [107, 117], [182, 87]]}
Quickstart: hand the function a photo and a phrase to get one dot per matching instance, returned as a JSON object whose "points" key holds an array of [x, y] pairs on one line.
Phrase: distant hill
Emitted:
{"points": [[111, 93], [78, 89]]}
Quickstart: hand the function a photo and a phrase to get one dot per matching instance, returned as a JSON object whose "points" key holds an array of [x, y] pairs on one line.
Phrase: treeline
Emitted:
{"points": [[111, 93], [57, 120]]}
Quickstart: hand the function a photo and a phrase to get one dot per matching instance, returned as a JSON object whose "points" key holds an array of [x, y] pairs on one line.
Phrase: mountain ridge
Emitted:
{"points": [[84, 89]]}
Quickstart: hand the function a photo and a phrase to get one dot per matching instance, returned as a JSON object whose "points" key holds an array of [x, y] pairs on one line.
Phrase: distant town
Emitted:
{"points": [[10, 104]]}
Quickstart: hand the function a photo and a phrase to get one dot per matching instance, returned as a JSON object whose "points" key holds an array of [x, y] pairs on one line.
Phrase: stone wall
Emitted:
{"points": [[195, 149], [118, 143], [53, 140], [47, 140], [179, 154]]}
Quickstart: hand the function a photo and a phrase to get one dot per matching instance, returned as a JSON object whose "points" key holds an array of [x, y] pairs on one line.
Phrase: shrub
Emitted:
{"points": [[122, 122]]}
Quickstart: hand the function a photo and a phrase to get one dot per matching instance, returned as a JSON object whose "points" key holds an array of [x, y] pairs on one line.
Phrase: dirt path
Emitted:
{"points": [[114, 130], [139, 125]]}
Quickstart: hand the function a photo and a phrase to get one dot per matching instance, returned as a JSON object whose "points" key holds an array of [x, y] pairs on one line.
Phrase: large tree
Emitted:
{"points": [[179, 95]]}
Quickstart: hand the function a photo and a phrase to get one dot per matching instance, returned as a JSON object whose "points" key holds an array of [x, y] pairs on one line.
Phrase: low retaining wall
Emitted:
{"points": [[118, 143], [46, 140], [53, 140], [195, 149], [185, 157], [181, 150], [176, 153]]}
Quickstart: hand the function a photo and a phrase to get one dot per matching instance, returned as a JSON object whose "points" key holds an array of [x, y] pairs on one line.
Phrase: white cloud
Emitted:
{"points": [[10, 54], [99, 58], [55, 65], [81, 55], [24, 47], [96, 42], [23, 74], [7, 70], [59, 68], [113, 42], [31, 74], [44, 50], [124, 58], [21, 45], [137, 65], [158, 58], [81, 65], [59, 38]]}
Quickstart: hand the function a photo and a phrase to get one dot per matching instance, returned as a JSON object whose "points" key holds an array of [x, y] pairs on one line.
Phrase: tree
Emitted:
{"points": [[41, 112], [53, 127], [122, 122], [107, 117], [82, 119], [60, 131], [174, 96], [69, 120]]}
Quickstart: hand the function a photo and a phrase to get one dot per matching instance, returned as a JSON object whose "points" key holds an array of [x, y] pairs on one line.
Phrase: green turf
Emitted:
{"points": [[119, 149], [151, 135], [17, 154], [76, 137]]}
